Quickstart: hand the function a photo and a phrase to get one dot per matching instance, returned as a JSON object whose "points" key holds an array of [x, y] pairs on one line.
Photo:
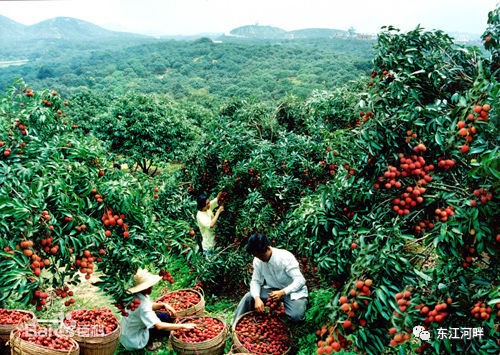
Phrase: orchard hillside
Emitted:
{"points": [[385, 188]]}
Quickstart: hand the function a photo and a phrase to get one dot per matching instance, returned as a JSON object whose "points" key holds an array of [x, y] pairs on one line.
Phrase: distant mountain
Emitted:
{"points": [[318, 33], [255, 31], [463, 37], [10, 28], [211, 35], [64, 28], [269, 32], [74, 29]]}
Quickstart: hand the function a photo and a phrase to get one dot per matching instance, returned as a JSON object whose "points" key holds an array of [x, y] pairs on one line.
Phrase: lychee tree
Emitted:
{"points": [[421, 208], [143, 130], [65, 211]]}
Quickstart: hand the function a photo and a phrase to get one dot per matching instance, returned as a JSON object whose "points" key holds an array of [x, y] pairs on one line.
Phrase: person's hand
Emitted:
{"points": [[170, 310], [220, 209], [276, 295], [189, 325], [259, 305]]}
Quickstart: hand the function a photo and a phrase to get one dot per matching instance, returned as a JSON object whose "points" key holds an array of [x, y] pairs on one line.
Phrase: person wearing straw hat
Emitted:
{"points": [[142, 327], [277, 276]]}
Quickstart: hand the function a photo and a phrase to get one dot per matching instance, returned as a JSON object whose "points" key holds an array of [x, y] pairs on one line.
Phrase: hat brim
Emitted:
{"points": [[151, 281]]}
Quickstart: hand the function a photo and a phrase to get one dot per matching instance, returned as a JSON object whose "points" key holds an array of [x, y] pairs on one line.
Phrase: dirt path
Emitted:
{"points": [[90, 296]]}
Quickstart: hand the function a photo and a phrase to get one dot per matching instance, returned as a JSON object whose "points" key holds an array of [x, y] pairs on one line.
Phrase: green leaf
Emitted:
{"points": [[422, 275], [362, 334], [494, 301], [477, 150], [438, 138]]}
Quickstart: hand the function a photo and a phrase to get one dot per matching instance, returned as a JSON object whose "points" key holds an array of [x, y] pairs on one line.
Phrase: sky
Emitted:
{"points": [[189, 17]]}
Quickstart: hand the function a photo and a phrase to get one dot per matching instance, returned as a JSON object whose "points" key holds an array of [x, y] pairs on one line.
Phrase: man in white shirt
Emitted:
{"points": [[207, 220], [143, 326], [276, 275]]}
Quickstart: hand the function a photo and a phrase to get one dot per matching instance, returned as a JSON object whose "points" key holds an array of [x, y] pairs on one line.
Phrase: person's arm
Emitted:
{"points": [[214, 203], [298, 280], [174, 326], [216, 216], [150, 319], [162, 305], [256, 285], [158, 305]]}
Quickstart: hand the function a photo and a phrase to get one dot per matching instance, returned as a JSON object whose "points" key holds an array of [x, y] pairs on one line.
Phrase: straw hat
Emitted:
{"points": [[143, 280]]}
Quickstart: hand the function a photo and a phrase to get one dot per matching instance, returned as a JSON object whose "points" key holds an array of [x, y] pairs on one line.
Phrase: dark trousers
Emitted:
{"points": [[294, 309], [155, 334]]}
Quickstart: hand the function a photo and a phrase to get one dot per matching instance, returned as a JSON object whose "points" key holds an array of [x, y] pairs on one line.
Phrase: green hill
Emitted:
{"points": [[63, 28], [229, 67], [255, 31], [73, 29]]}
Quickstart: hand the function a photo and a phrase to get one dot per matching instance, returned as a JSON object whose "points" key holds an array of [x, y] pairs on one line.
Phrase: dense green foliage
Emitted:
{"points": [[265, 69], [141, 129], [386, 188]]}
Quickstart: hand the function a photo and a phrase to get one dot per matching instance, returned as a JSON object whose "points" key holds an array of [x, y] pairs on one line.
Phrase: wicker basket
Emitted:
{"points": [[93, 342], [6, 329], [233, 351], [19, 346], [238, 346], [195, 310], [99, 345], [214, 346]]}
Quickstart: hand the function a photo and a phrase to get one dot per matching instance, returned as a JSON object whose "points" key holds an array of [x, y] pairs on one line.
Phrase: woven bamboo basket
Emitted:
{"points": [[214, 346], [238, 347], [99, 345], [194, 310], [233, 351], [6, 329], [19, 346]]}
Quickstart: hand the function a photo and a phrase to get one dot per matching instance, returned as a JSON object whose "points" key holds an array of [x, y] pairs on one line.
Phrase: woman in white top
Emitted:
{"points": [[143, 326], [206, 221]]}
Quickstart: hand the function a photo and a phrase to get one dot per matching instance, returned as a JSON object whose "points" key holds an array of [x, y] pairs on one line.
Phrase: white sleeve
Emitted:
{"points": [[148, 316], [257, 279], [298, 279], [214, 203]]}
